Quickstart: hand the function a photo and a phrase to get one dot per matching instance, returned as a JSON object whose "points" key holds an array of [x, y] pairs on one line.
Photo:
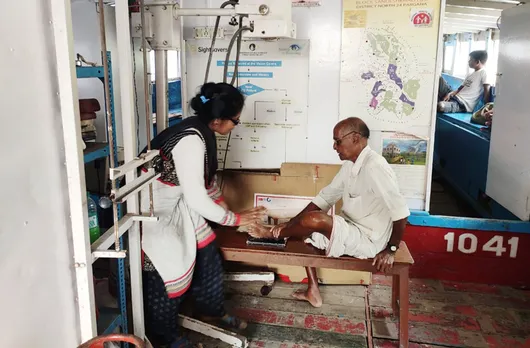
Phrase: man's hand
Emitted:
{"points": [[276, 230], [383, 261], [448, 96]]}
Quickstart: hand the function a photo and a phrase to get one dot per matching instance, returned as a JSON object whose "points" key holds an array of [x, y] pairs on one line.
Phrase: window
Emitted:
{"points": [[448, 58], [493, 59], [461, 67], [173, 65], [478, 45], [458, 47]]}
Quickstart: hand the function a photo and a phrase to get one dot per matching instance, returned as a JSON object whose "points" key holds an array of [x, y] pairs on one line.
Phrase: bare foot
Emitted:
{"points": [[260, 231], [309, 295]]}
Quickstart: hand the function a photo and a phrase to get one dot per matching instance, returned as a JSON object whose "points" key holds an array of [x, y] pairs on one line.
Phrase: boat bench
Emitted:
{"points": [[297, 253]]}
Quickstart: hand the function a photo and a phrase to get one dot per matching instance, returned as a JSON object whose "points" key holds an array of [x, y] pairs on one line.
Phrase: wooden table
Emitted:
{"points": [[297, 253]]}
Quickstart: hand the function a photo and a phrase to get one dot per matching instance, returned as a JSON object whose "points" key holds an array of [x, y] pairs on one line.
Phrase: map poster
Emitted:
{"points": [[388, 69], [407, 155]]}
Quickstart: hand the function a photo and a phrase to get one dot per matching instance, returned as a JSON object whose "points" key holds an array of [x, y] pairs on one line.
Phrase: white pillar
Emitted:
{"points": [[78, 218], [123, 36]]}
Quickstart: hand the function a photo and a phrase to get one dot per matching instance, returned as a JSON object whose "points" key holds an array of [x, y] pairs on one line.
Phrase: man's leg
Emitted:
{"points": [[450, 106], [311, 294], [443, 89], [303, 227]]}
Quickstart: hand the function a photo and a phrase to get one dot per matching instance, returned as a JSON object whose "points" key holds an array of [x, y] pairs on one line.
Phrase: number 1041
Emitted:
{"points": [[468, 243]]}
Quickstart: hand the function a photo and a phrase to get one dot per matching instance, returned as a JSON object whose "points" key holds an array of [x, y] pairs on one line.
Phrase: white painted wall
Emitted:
{"points": [[85, 22], [36, 267]]}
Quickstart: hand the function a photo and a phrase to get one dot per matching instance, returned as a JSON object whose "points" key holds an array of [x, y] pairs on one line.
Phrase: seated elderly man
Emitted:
{"points": [[374, 213]]}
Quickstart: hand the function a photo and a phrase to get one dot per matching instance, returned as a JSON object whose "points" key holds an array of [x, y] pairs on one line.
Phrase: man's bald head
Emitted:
{"points": [[350, 138], [353, 124]]}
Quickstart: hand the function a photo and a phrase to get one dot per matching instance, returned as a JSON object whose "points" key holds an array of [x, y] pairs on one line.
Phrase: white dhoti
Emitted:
{"points": [[346, 239]]}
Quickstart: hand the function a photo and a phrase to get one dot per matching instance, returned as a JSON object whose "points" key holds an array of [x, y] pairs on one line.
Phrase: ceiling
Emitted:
{"points": [[474, 15], [460, 15]]}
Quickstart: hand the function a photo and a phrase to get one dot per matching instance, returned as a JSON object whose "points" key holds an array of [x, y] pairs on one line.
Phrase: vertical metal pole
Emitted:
{"points": [[110, 128], [125, 62], [161, 90], [148, 116], [183, 68]]}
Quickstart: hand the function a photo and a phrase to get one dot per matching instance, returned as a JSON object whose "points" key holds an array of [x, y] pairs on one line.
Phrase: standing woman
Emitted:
{"points": [[181, 256]]}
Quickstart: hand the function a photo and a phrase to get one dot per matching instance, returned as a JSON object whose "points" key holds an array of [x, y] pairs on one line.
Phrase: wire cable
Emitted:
{"points": [[238, 52], [230, 46], [214, 37]]}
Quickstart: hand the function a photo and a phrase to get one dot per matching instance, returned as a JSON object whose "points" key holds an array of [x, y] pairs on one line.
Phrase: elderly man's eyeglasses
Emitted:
{"points": [[339, 140]]}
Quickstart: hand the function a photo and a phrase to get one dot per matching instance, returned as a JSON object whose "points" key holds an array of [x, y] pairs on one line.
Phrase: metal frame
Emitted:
{"points": [[211, 331], [99, 248]]}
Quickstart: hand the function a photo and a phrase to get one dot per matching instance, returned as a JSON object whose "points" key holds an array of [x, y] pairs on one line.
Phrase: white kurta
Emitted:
{"points": [[171, 243], [371, 203]]}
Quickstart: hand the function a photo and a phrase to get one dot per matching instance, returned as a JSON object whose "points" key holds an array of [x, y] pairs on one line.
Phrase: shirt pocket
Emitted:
{"points": [[353, 205]]}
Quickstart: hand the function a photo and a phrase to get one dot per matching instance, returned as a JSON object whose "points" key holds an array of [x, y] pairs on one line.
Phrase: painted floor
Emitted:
{"points": [[442, 314]]}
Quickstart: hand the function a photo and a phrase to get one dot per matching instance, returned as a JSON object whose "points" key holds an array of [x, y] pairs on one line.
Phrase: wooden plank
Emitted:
{"points": [[381, 297], [304, 321], [311, 338], [508, 341], [431, 334], [272, 304], [331, 294], [297, 253], [416, 285], [384, 343], [432, 317]]}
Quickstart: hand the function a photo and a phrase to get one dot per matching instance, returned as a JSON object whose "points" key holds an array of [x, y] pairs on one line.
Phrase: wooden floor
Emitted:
{"points": [[443, 314], [445, 201]]}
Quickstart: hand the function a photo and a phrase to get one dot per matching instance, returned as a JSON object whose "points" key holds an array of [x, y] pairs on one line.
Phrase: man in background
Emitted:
{"points": [[468, 95], [374, 213]]}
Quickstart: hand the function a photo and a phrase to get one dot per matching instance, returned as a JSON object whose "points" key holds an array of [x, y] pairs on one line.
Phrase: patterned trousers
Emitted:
{"points": [[453, 104], [207, 291]]}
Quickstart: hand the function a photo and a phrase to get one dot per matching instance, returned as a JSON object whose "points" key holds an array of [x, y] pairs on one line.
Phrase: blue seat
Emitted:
{"points": [[174, 98]]}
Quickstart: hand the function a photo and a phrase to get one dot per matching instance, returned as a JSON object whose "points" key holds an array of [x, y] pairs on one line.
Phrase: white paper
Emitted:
{"points": [[283, 207]]}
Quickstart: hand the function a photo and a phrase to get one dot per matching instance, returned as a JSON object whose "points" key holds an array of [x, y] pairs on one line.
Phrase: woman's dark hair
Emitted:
{"points": [[217, 101]]}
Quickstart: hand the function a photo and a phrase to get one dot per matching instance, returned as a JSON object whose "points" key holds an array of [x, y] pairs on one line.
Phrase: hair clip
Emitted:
{"points": [[204, 99]]}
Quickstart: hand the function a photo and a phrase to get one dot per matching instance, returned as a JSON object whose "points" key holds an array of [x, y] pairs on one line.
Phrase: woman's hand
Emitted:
{"points": [[250, 216], [224, 205]]}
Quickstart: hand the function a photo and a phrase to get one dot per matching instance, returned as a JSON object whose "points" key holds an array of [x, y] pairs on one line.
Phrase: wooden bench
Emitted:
{"points": [[234, 248]]}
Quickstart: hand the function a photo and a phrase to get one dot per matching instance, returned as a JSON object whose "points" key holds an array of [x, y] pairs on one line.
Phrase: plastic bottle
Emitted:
{"points": [[93, 225]]}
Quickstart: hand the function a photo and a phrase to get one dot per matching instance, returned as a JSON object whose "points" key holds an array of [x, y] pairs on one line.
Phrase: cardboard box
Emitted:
{"points": [[299, 179]]}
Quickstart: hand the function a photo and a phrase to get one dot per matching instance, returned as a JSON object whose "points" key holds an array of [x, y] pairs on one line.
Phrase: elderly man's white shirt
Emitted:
{"points": [[370, 195]]}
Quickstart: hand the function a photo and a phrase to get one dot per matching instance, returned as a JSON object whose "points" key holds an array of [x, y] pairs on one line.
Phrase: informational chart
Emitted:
{"points": [[274, 77]]}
